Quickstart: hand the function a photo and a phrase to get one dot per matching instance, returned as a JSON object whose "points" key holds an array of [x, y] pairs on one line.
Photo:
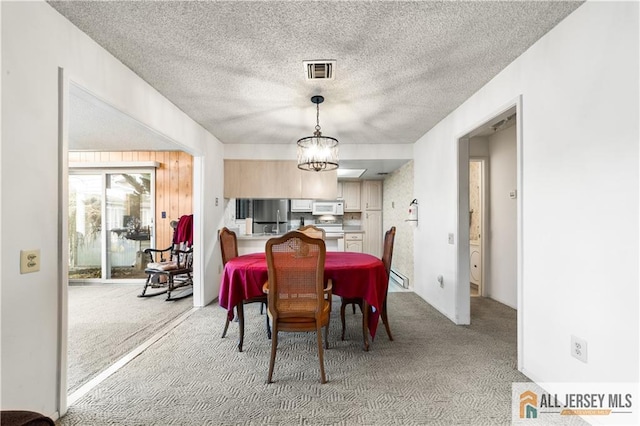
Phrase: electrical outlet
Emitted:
{"points": [[450, 238], [441, 281], [29, 261], [579, 348]]}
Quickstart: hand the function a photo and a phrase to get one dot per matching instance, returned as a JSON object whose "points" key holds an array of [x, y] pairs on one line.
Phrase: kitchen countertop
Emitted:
{"points": [[267, 236], [353, 229]]}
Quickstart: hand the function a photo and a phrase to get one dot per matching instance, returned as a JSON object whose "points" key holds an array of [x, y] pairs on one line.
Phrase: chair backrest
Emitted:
{"points": [[313, 231], [296, 275], [387, 248], [228, 244]]}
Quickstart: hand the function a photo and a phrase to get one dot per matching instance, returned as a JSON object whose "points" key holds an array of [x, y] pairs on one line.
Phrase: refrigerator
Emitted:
{"points": [[270, 216]]}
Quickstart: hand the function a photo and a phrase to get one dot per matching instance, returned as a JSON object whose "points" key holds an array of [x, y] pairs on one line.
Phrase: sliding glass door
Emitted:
{"points": [[111, 215]]}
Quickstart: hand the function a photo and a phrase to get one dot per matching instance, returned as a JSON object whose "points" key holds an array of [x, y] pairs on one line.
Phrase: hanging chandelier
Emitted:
{"points": [[317, 153]]}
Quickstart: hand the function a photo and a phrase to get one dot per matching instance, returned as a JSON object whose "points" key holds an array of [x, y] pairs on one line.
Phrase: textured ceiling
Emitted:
{"points": [[236, 67]]}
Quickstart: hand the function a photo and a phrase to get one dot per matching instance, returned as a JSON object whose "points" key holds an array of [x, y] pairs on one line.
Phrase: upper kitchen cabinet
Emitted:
{"points": [[276, 179], [351, 196], [302, 206], [372, 195]]}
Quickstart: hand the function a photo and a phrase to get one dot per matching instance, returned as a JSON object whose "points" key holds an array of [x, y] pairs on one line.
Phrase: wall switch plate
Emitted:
{"points": [[451, 238], [579, 348], [29, 261]]}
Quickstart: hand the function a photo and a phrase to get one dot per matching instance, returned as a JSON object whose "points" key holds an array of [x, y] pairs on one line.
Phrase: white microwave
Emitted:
{"points": [[335, 208]]}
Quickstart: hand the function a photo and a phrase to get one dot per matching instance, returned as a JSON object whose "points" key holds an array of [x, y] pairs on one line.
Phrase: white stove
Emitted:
{"points": [[331, 229], [333, 232]]}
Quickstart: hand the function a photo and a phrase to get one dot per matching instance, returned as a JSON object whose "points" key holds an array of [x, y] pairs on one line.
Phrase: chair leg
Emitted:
{"points": [[342, 309], [146, 284], [226, 327], [365, 325], [268, 327], [262, 308], [169, 287], [323, 379], [274, 346], [326, 336], [385, 320], [240, 325]]}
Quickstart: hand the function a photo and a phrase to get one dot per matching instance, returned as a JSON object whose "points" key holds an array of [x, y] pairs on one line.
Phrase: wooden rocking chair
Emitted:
{"points": [[172, 268]]}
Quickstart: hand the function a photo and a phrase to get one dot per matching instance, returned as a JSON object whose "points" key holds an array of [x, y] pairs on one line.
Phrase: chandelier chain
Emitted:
{"points": [[317, 117]]}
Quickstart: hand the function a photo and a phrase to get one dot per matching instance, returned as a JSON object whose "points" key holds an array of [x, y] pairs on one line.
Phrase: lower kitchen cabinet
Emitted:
{"points": [[353, 242], [372, 227]]}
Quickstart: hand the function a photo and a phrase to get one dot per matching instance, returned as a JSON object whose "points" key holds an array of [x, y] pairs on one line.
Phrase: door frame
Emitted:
{"points": [[65, 80], [462, 264]]}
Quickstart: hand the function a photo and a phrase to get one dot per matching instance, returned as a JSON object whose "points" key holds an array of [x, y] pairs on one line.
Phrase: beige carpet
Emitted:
{"points": [[433, 373], [107, 321]]}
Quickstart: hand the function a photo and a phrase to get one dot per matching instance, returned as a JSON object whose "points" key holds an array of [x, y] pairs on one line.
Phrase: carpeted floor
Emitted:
{"points": [[107, 321], [433, 373]]}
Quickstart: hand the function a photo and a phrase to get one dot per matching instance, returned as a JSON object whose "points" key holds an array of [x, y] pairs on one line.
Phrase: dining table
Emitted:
{"points": [[353, 275]]}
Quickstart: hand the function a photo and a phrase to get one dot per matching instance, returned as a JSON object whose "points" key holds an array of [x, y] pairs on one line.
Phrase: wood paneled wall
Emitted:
{"points": [[174, 183]]}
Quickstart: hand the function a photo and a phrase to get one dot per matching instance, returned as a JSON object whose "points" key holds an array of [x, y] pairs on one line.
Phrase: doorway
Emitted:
{"points": [[110, 223], [490, 249], [477, 191], [124, 183]]}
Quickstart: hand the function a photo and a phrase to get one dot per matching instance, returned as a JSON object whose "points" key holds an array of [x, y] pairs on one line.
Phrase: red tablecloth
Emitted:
{"points": [[353, 275]]}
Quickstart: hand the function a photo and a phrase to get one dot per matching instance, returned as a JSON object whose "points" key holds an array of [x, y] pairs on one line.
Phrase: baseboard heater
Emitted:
{"points": [[398, 278]]}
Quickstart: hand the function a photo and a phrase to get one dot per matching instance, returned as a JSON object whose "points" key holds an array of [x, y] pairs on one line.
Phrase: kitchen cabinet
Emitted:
{"points": [[351, 196], [372, 217], [301, 206], [353, 241], [276, 179], [372, 195], [372, 227]]}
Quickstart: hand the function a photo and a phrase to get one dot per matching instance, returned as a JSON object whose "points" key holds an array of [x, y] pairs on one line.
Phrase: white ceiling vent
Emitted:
{"points": [[320, 69]]}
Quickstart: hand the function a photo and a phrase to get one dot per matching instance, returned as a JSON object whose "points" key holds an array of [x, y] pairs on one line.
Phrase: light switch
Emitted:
{"points": [[29, 261]]}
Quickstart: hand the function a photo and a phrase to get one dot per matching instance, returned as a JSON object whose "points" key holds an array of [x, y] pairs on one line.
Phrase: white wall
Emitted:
{"points": [[502, 244], [579, 87], [397, 195], [36, 40]]}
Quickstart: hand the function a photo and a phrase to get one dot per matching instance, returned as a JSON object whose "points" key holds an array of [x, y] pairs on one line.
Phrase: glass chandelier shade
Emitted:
{"points": [[317, 153]]}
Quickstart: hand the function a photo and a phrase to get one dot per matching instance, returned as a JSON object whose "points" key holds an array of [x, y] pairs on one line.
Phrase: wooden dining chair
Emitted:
{"points": [[298, 298], [313, 231], [387, 255], [229, 250]]}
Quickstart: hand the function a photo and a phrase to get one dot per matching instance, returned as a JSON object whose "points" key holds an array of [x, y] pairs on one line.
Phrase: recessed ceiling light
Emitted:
{"points": [[350, 173]]}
